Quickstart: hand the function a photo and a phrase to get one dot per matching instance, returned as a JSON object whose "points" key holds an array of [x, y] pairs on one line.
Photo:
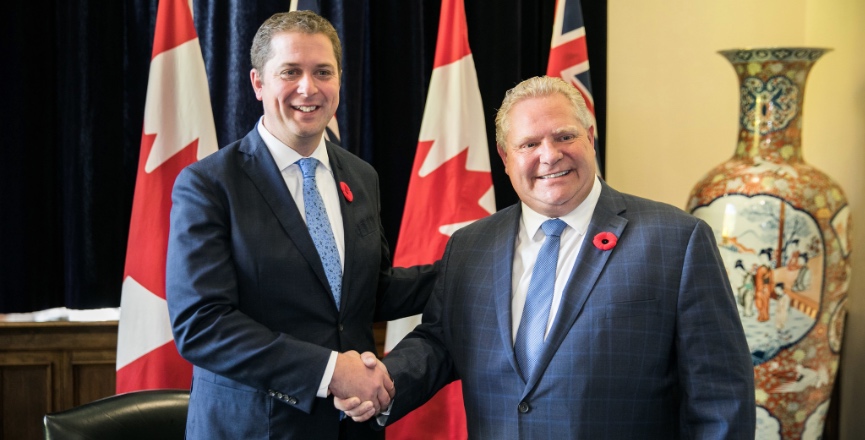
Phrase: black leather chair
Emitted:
{"points": [[151, 414]]}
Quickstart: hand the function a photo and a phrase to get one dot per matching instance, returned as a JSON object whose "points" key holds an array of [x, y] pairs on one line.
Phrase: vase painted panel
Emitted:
{"points": [[783, 230]]}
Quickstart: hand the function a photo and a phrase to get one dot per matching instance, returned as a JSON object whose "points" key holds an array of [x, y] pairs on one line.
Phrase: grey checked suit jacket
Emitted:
{"points": [[647, 343], [249, 302]]}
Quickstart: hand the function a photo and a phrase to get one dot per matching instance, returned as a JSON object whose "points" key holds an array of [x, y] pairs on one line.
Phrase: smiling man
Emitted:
{"points": [[581, 312], [277, 264]]}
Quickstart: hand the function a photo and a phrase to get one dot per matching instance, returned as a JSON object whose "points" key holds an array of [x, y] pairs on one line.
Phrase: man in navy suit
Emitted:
{"points": [[639, 336], [272, 322]]}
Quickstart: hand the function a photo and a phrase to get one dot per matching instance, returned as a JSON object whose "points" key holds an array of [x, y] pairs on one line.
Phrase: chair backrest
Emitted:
{"points": [[151, 414]]}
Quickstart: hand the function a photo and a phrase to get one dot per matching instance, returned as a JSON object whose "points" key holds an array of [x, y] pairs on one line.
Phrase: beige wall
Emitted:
{"points": [[673, 105]]}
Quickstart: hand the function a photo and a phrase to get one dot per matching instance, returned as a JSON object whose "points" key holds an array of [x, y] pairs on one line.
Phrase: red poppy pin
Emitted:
{"points": [[605, 241], [346, 191]]}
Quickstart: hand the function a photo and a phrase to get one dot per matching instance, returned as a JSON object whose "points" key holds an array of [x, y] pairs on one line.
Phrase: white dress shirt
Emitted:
{"points": [[529, 239], [286, 159]]}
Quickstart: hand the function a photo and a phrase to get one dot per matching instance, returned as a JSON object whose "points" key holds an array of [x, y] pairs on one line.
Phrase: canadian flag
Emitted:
{"points": [[178, 130], [450, 187]]}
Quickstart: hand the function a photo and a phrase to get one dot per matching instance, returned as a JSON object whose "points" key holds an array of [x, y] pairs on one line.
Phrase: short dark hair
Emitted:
{"points": [[307, 22]]}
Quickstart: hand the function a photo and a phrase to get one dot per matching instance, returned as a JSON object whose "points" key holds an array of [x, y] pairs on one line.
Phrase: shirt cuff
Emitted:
{"points": [[381, 418], [328, 375]]}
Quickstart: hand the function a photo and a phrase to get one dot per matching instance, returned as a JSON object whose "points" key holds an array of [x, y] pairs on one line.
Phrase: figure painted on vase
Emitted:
{"points": [[764, 285], [745, 292], [803, 278], [782, 309]]}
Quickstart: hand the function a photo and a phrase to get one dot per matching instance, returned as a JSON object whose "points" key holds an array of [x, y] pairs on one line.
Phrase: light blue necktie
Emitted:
{"points": [[539, 300], [319, 227]]}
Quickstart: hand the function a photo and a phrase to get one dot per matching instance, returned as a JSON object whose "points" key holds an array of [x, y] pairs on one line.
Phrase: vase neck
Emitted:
{"points": [[771, 92]]}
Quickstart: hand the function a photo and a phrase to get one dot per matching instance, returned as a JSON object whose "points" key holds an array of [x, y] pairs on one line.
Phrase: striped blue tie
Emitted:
{"points": [[539, 300], [319, 227]]}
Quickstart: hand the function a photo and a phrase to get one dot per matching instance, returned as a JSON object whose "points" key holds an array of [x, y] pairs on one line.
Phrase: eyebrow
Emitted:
{"points": [[317, 66], [567, 129], [556, 132]]}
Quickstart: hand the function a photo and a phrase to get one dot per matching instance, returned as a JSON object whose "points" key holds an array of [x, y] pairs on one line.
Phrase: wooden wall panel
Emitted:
{"points": [[49, 367], [24, 399], [93, 375]]}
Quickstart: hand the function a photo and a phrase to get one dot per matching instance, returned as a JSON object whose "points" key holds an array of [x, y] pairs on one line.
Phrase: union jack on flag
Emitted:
{"points": [[569, 58]]}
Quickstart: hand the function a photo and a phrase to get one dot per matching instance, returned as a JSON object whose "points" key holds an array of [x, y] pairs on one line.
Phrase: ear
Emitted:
{"points": [[591, 134], [503, 155], [256, 80]]}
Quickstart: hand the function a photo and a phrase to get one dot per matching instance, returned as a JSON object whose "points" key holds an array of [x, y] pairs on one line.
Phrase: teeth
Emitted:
{"points": [[551, 176], [306, 108]]}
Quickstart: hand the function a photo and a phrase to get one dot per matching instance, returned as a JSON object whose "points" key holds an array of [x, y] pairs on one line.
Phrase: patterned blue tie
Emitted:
{"points": [[539, 300], [319, 227]]}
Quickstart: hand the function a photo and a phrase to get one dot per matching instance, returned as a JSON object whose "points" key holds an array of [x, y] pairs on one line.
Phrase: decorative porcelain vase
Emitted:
{"points": [[783, 230]]}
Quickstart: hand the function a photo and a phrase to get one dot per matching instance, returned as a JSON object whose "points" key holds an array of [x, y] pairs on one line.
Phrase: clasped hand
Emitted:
{"points": [[361, 385]]}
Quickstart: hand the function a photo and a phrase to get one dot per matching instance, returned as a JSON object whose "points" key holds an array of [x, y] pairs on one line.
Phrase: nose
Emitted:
{"points": [[549, 152], [306, 85]]}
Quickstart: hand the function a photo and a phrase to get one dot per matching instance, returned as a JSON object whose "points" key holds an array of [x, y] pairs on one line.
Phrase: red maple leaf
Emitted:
{"points": [[448, 195], [151, 207]]}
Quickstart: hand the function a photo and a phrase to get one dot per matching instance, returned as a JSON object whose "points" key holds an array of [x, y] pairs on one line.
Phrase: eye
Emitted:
{"points": [[289, 73], [567, 137], [324, 73]]}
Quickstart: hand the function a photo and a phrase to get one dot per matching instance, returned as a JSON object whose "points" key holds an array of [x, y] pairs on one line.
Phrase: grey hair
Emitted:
{"points": [[536, 87]]}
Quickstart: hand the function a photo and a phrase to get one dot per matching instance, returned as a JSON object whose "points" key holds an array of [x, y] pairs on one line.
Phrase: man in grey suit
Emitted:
{"points": [[581, 312], [277, 263]]}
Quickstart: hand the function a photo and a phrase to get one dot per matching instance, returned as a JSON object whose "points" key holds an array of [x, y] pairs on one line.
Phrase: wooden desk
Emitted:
{"points": [[52, 366]]}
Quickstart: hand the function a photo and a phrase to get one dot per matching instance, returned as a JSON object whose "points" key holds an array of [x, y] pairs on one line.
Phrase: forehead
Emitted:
{"points": [[537, 116], [301, 47]]}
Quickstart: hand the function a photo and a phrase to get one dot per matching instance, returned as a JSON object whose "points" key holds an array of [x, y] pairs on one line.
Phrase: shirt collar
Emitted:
{"points": [[578, 219], [285, 156]]}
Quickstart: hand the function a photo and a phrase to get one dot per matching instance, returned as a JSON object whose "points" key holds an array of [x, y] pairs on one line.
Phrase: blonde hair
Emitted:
{"points": [[536, 87]]}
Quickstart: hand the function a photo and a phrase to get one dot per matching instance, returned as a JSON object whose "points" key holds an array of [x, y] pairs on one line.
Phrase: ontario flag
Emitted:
{"points": [[569, 58], [450, 187], [178, 130]]}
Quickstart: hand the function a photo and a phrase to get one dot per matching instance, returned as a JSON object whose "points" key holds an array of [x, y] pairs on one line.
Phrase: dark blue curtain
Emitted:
{"points": [[74, 83]]}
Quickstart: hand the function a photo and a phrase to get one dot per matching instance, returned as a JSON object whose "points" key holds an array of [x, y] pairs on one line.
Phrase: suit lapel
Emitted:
{"points": [[584, 275], [503, 266], [341, 174], [259, 166]]}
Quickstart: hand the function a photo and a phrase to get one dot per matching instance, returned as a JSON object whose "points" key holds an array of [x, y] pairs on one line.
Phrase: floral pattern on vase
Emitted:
{"points": [[783, 231]]}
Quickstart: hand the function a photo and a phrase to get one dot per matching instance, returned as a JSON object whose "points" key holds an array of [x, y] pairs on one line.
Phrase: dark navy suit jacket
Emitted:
{"points": [[249, 300], [647, 343]]}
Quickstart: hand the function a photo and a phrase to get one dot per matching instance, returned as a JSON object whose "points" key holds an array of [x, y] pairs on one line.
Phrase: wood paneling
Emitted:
{"points": [[52, 366]]}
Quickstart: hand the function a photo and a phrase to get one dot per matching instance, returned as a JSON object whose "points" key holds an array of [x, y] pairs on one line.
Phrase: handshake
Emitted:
{"points": [[361, 385]]}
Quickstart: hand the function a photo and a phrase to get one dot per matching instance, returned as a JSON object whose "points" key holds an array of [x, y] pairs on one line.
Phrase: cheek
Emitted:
{"points": [[334, 95]]}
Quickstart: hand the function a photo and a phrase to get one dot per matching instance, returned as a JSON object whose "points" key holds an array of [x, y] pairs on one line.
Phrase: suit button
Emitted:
{"points": [[341, 327], [524, 407], [292, 400]]}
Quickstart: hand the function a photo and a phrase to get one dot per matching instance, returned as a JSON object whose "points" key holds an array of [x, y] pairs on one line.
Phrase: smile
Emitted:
{"points": [[554, 175], [305, 108]]}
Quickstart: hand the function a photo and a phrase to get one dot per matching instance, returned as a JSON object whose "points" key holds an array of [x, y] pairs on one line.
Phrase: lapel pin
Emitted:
{"points": [[346, 192], [605, 241]]}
